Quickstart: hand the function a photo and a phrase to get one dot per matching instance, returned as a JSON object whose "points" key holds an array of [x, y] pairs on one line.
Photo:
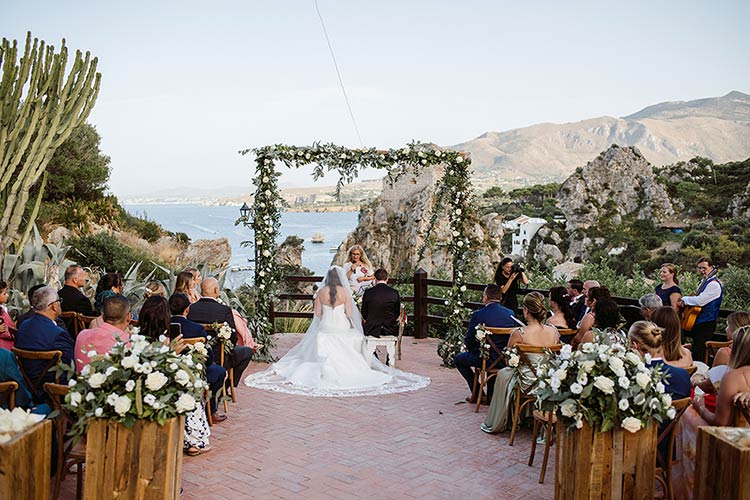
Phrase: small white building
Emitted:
{"points": [[524, 228]]}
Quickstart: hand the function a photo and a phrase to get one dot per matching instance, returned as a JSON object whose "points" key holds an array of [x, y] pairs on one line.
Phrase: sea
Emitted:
{"points": [[210, 222]]}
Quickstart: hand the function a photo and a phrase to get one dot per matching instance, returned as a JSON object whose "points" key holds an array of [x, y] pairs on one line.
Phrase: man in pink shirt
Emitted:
{"points": [[116, 315]]}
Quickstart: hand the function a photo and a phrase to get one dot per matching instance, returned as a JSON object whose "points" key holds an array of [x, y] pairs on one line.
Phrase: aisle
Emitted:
{"points": [[403, 446]]}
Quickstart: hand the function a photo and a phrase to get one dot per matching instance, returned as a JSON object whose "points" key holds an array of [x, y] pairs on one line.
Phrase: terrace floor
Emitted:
{"points": [[418, 445]]}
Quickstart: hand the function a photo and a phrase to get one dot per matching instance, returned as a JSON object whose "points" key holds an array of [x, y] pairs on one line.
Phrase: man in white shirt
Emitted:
{"points": [[708, 296]]}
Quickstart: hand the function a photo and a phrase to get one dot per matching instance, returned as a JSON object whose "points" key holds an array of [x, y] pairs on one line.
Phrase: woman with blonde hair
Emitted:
{"points": [[674, 354], [648, 338], [186, 284], [358, 269], [735, 321], [669, 292]]}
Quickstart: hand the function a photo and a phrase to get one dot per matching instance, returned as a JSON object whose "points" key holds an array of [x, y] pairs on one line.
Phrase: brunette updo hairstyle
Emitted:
{"points": [[559, 295], [647, 335], [606, 313], [533, 302], [666, 318]]}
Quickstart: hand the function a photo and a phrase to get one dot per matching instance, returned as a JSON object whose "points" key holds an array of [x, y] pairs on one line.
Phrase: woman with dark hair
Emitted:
{"points": [[508, 280], [186, 284], [154, 317], [595, 295], [669, 292], [674, 354], [109, 285], [562, 314], [6, 323]]}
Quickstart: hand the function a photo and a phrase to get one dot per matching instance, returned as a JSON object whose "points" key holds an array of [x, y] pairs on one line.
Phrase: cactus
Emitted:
{"points": [[39, 108]]}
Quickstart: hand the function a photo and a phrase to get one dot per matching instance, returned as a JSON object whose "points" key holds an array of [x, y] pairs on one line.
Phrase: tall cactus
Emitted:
{"points": [[39, 108]]}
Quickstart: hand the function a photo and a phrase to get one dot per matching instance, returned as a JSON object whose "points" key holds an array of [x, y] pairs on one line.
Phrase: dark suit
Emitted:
{"points": [[208, 310], [495, 315], [579, 307], [74, 300], [381, 306], [215, 374], [40, 333]]}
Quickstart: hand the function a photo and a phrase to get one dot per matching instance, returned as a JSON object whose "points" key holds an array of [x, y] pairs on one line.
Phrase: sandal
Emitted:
{"points": [[195, 450]]}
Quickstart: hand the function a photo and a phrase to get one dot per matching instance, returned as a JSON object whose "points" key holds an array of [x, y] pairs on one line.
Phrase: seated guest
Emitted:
{"points": [[647, 338], [9, 372], [674, 354], [6, 323], [562, 315], [584, 334], [207, 311], [114, 328], [536, 334], [734, 321], [30, 312], [197, 280], [154, 318], [577, 298], [649, 303], [669, 292], [179, 304], [492, 314], [152, 288], [186, 284], [587, 285], [41, 333], [110, 284], [71, 295]]}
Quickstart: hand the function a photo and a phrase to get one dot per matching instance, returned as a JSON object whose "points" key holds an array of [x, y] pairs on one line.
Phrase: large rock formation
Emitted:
{"points": [[216, 254], [391, 229]]}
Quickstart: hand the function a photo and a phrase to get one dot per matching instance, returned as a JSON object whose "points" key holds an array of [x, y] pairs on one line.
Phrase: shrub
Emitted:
{"points": [[104, 251]]}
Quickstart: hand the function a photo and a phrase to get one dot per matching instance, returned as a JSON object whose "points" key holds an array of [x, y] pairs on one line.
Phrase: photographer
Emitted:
{"points": [[507, 277]]}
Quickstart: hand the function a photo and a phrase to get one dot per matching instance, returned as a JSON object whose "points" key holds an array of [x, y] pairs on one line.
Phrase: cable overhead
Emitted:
{"points": [[338, 73]]}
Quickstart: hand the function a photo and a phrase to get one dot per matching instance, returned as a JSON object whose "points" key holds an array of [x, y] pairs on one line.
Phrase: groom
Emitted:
{"points": [[381, 306]]}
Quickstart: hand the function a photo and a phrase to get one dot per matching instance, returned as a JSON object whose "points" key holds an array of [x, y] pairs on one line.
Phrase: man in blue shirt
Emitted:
{"points": [[492, 314], [41, 333]]}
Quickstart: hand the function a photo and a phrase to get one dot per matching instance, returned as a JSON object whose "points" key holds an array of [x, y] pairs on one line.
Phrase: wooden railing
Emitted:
{"points": [[421, 318]]}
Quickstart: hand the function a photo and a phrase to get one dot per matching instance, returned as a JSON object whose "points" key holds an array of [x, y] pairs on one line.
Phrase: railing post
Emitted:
{"points": [[272, 317], [420, 304]]}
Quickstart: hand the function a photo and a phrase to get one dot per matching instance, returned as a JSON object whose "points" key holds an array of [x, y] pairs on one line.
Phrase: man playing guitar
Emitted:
{"points": [[708, 296]]}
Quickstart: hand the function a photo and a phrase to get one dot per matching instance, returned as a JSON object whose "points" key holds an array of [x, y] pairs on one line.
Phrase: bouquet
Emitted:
{"points": [[138, 380], [605, 384], [223, 333], [16, 421], [482, 337]]}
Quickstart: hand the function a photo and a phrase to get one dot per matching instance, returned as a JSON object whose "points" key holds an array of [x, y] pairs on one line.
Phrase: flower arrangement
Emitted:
{"points": [[513, 359], [605, 384], [138, 380], [481, 336], [16, 421], [223, 333]]}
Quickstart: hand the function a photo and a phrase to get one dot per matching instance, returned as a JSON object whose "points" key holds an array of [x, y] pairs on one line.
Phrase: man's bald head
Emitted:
{"points": [[210, 288]]}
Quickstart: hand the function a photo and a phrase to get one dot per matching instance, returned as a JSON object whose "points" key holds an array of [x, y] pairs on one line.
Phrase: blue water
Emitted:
{"points": [[200, 222]]}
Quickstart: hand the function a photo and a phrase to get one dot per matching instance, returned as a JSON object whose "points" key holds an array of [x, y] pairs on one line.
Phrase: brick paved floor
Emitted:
{"points": [[418, 445]]}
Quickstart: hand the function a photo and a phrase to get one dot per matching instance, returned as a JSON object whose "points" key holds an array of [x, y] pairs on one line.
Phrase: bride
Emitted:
{"points": [[331, 359]]}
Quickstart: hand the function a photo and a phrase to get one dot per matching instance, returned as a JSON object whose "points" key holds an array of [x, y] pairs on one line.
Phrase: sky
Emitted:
{"points": [[186, 84]]}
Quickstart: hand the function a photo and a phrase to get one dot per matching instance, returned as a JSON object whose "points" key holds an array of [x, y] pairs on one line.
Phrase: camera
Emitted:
{"points": [[517, 268]]}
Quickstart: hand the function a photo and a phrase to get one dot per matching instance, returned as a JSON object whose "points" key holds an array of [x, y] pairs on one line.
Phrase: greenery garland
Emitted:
{"points": [[453, 193]]}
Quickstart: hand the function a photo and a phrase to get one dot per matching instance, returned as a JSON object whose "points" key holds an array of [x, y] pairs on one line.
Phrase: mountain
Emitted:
{"points": [[717, 128]]}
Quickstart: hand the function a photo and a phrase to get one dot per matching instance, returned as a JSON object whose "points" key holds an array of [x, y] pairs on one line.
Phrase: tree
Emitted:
{"points": [[39, 109]]}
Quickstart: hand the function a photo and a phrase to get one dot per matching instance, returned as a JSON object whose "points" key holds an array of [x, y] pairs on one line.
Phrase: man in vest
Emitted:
{"points": [[708, 296]]}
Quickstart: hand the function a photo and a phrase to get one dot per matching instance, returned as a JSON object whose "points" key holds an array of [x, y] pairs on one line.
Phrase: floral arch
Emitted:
{"points": [[453, 194]]}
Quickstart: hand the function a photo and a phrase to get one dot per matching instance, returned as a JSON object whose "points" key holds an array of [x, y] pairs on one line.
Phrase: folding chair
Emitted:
{"points": [[207, 395], [8, 393], [485, 372], [69, 452], [712, 347], [36, 385], [524, 395], [664, 463]]}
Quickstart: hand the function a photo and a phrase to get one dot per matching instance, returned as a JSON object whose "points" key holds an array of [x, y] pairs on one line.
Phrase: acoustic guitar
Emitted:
{"points": [[688, 315]]}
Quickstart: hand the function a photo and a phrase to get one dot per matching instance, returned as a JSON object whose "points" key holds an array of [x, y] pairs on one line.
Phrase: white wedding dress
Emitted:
{"points": [[331, 359]]}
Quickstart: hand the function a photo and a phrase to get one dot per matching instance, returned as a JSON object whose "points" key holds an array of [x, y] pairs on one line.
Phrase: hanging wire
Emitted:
{"points": [[341, 81]]}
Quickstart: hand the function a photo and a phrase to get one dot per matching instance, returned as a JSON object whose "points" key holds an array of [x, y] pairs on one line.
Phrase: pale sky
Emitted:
{"points": [[187, 84]]}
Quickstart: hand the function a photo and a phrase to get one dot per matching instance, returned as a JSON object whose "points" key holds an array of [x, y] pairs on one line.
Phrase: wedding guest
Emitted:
{"points": [[6, 323], [358, 269], [708, 296], [381, 307], [669, 291], [577, 298], [492, 314], [151, 289], [208, 310], [535, 333], [594, 295], [197, 280], [649, 303], [101, 339], [735, 320], [647, 338], [562, 315], [587, 285], [9, 372], [154, 317], [674, 354], [73, 299], [41, 333], [186, 284], [509, 282], [30, 312], [109, 285]]}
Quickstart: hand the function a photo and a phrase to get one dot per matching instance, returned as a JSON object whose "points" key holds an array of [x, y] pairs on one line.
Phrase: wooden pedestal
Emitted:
{"points": [[140, 463], [605, 465], [25, 463], [722, 463]]}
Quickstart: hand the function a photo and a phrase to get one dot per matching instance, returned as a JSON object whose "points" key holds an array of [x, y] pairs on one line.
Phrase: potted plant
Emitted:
{"points": [[607, 400], [130, 403]]}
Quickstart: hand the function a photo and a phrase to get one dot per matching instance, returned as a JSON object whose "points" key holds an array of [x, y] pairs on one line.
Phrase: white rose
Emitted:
{"points": [[90, 396], [647, 358], [642, 379], [98, 412], [582, 378], [671, 412], [459, 159], [560, 374], [568, 408], [624, 382], [146, 368], [616, 364], [576, 388], [86, 370], [149, 399], [588, 365], [566, 351], [156, 381], [173, 366], [579, 422], [632, 358], [185, 403], [555, 384], [666, 399], [112, 399], [181, 377], [624, 404], [122, 405], [631, 424], [162, 338], [130, 385], [604, 384], [129, 361], [72, 382], [660, 388], [514, 360], [75, 398], [97, 379], [110, 371]]}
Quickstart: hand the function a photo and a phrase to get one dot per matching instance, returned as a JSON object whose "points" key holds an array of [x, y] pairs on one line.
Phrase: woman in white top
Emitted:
{"points": [[358, 270]]}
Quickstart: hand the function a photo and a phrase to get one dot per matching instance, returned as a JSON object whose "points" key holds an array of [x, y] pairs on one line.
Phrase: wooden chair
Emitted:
{"points": [[712, 347], [485, 372], [36, 385], [207, 395], [664, 463], [83, 322], [8, 393], [566, 332], [548, 419], [71, 321], [524, 396], [209, 328], [69, 451]]}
